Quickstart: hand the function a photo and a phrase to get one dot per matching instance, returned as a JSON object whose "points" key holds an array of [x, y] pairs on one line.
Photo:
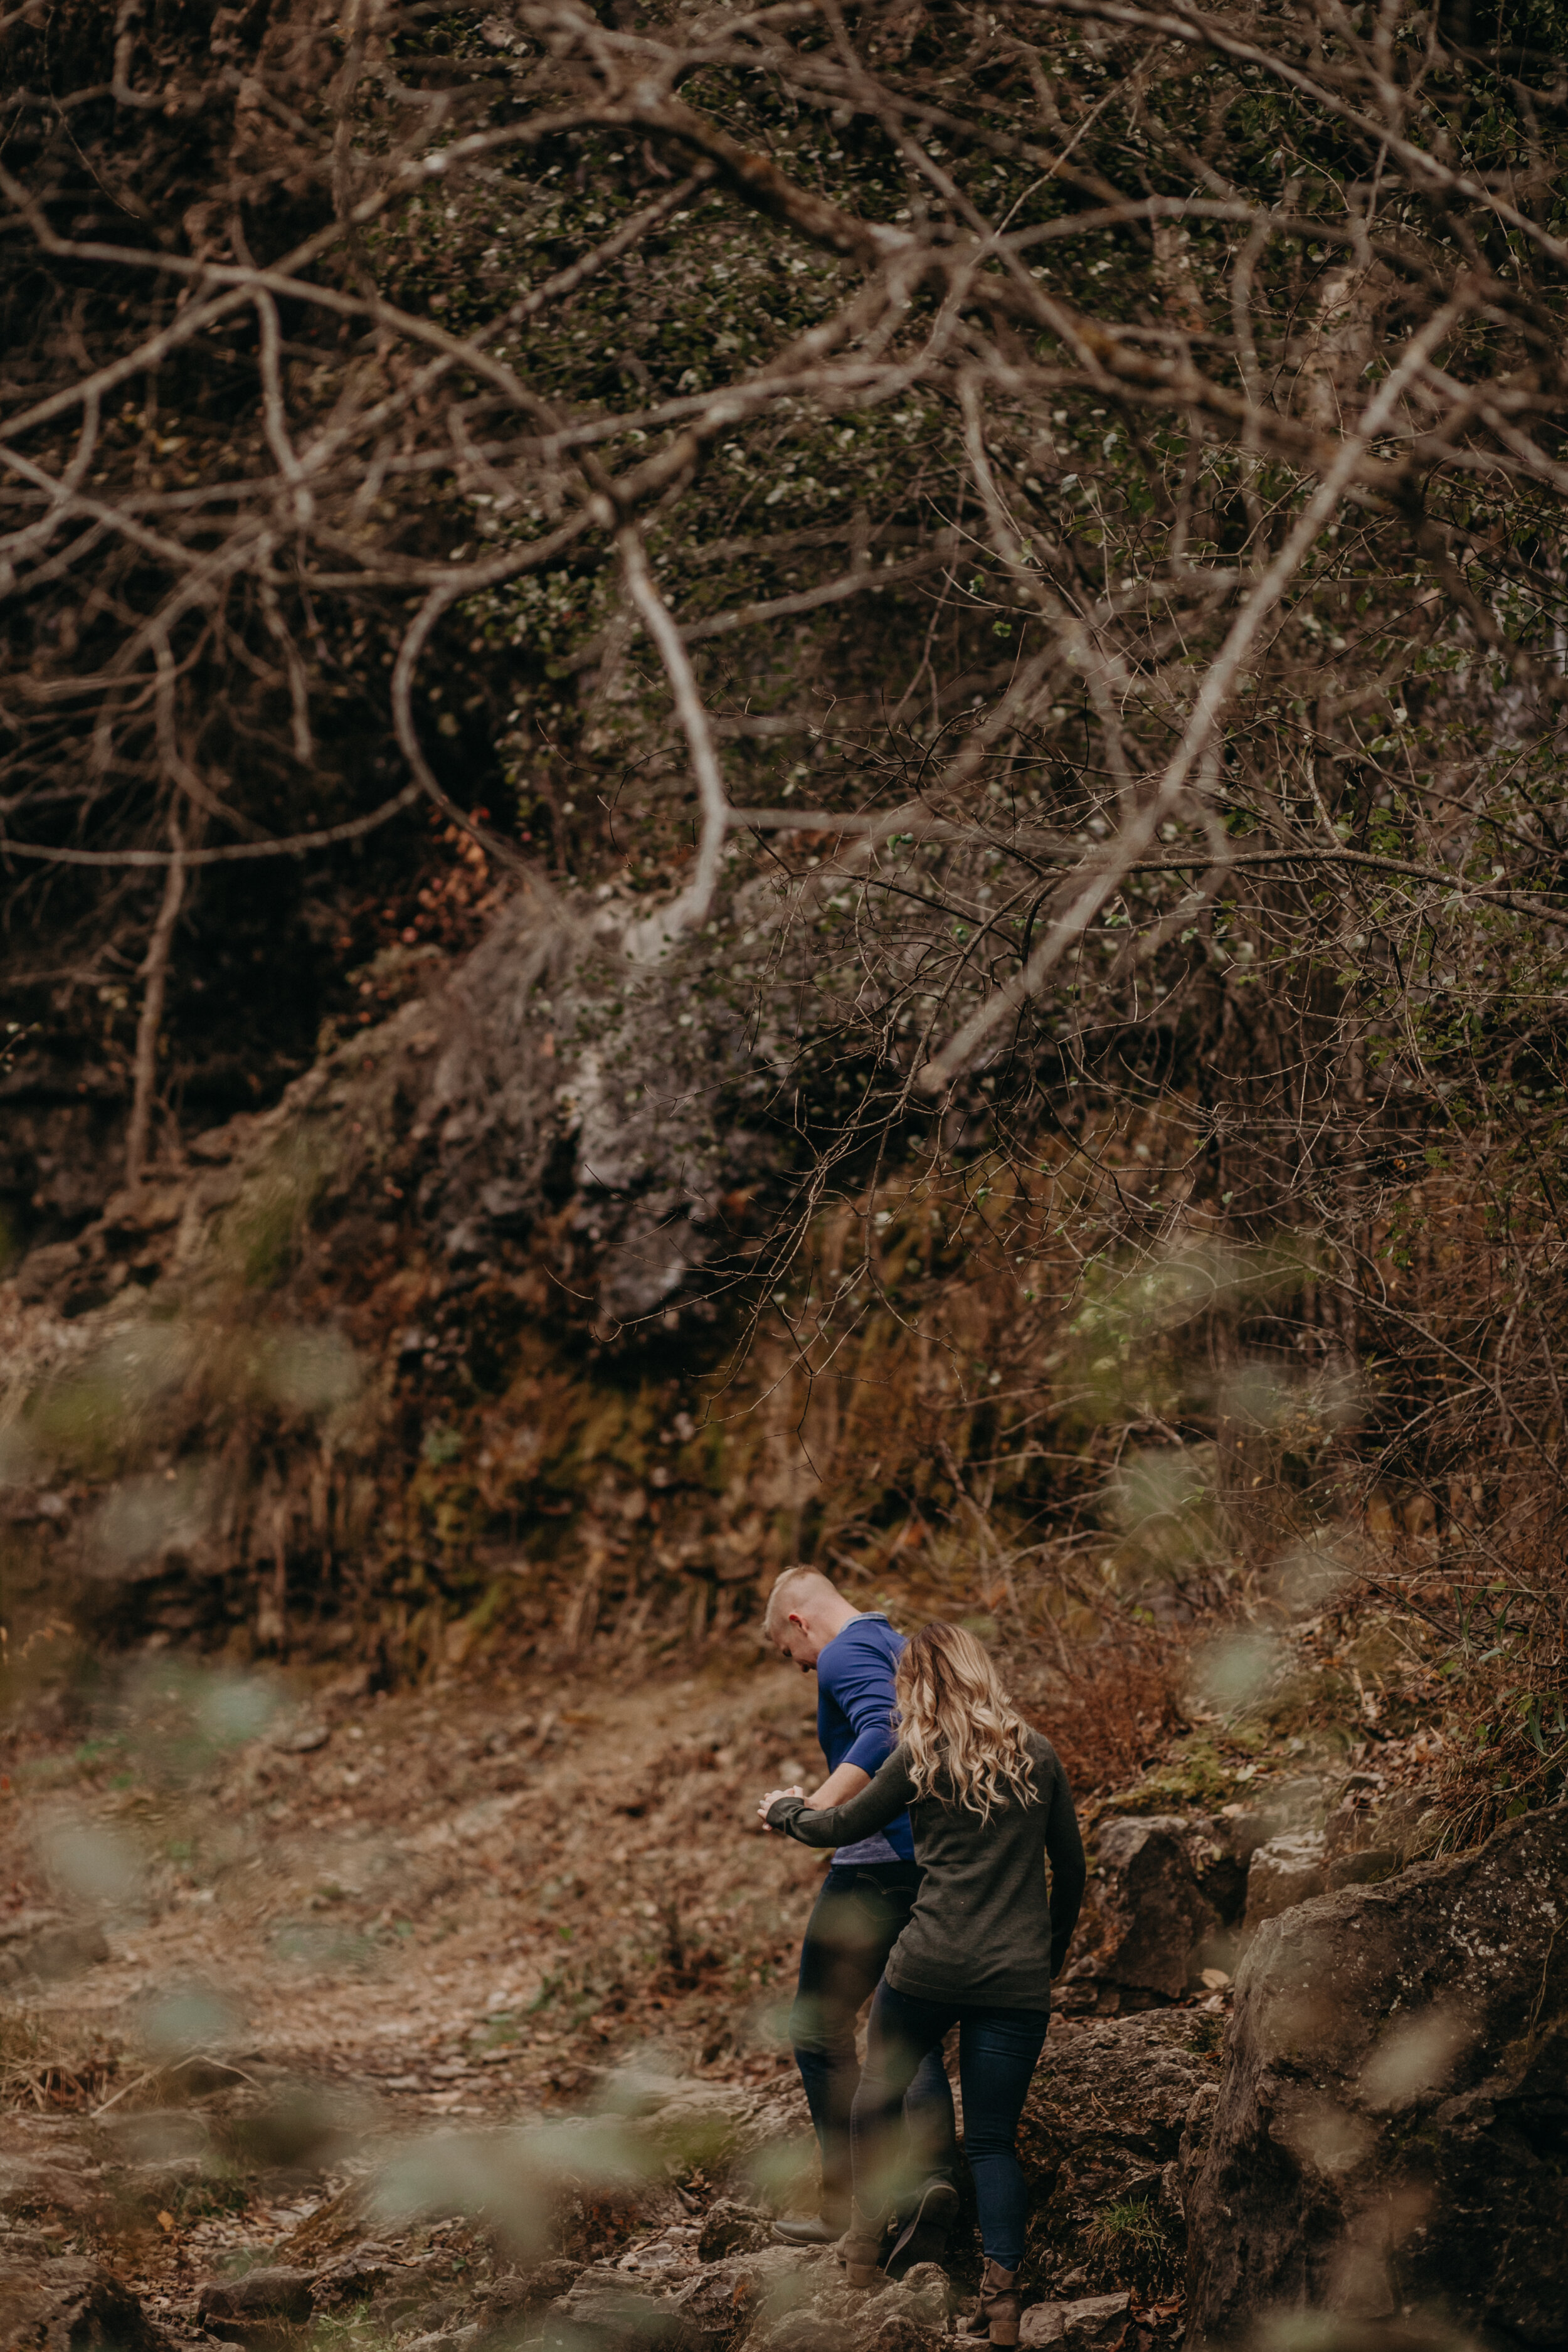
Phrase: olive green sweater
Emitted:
{"points": [[984, 1930]]}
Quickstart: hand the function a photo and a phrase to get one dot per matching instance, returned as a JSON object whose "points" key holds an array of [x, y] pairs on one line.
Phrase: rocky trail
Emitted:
{"points": [[454, 2018], [518, 1953]]}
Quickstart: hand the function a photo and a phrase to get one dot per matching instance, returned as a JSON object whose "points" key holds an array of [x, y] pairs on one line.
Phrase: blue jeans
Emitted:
{"points": [[998, 2050], [860, 1912]]}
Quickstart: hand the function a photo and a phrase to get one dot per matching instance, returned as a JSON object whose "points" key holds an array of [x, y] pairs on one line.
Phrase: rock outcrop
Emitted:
{"points": [[213, 1391], [1101, 2139], [1166, 1900], [70, 2304], [1172, 1895], [1391, 2137], [569, 1078], [544, 1079]]}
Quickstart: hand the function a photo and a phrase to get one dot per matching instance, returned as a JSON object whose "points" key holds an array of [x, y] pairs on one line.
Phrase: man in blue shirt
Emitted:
{"points": [[863, 1907]]}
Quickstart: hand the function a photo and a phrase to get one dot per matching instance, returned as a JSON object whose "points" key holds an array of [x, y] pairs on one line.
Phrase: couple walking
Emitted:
{"points": [[943, 1806]]}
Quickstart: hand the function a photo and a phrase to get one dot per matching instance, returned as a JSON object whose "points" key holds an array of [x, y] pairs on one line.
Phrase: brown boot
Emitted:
{"points": [[860, 2248], [997, 2318]]}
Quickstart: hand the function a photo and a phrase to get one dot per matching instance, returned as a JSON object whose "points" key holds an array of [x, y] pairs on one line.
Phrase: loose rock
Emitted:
{"points": [[72, 2304], [245, 2308], [1147, 1909], [716, 2308], [53, 1953], [838, 2318], [512, 2298], [1287, 1871], [732, 2228], [604, 2313], [1165, 1901], [354, 2277], [39, 2188], [1082, 2326], [672, 2254]]}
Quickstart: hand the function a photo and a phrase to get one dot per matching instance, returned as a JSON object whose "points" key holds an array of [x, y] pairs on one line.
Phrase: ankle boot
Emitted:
{"points": [[997, 2318], [859, 2248], [923, 2238], [823, 2229]]}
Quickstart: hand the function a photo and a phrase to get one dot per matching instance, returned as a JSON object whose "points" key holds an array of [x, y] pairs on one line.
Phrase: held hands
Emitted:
{"points": [[772, 1798]]}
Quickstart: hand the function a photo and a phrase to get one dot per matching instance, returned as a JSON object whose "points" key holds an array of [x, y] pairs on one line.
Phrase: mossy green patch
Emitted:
{"points": [[1198, 1773]]}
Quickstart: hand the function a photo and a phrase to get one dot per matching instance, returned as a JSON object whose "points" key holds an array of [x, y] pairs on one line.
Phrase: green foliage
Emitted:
{"points": [[1201, 1771], [1129, 2242]]}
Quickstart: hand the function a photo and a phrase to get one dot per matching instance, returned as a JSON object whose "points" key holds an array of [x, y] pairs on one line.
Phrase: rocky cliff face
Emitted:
{"points": [[1391, 2137], [573, 1083], [356, 1370], [545, 1080], [468, 1332]]}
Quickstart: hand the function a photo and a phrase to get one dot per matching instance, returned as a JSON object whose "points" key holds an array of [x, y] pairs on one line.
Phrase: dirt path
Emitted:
{"points": [[455, 1896], [385, 1917]]}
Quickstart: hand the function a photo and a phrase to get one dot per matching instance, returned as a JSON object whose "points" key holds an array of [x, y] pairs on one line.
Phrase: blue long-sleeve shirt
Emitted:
{"points": [[855, 1721]]}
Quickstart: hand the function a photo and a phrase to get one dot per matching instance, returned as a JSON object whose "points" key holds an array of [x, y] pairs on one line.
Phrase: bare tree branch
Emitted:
{"points": [[1106, 877], [149, 1026], [654, 936]]}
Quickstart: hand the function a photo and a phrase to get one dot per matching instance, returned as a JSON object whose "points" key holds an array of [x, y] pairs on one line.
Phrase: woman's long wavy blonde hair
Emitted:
{"points": [[957, 1723]]}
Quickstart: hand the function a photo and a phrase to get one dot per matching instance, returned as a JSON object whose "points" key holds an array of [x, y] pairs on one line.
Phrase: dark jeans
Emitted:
{"points": [[998, 2053], [858, 1914]]}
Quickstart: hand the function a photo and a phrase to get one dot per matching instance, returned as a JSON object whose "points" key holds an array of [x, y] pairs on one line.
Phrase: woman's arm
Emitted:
{"points": [[1069, 1870], [873, 1808]]}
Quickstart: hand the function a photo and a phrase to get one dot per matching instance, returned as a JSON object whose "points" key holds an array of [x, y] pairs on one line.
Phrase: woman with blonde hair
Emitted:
{"points": [[988, 1805]]}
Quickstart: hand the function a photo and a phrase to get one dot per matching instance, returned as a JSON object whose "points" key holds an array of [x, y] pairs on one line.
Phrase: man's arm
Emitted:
{"points": [[836, 1789], [859, 1678], [880, 1802], [846, 1781]]}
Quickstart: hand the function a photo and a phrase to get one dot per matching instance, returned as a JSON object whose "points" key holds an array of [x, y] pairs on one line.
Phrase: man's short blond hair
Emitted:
{"points": [[788, 1591]]}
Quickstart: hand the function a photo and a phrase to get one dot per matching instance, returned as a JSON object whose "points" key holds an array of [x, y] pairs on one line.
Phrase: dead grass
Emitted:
{"points": [[53, 2063], [1113, 1709]]}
